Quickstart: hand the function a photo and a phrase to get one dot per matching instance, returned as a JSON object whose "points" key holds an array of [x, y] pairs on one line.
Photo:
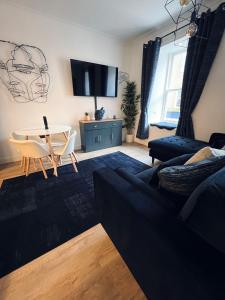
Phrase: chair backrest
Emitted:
{"points": [[70, 144], [61, 137], [18, 137], [30, 148], [22, 137]]}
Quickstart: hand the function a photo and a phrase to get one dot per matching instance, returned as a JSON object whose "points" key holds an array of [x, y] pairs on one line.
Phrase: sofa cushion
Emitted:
{"points": [[204, 211], [183, 180], [177, 161], [150, 176], [205, 153]]}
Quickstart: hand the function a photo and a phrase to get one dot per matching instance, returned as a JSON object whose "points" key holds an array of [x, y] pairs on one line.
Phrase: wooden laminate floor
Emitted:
{"points": [[88, 267]]}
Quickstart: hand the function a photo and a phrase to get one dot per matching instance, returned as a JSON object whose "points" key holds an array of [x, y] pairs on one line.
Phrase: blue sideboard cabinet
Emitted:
{"points": [[101, 134]]}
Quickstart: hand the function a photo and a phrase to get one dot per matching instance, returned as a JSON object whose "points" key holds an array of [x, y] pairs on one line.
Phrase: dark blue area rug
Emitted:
{"points": [[36, 215]]}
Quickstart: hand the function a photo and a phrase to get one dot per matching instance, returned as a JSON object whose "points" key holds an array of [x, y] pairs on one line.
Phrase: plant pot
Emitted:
{"points": [[129, 138]]}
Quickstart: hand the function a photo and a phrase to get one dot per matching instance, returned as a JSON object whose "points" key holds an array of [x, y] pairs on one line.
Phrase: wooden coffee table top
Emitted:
{"points": [[86, 267]]}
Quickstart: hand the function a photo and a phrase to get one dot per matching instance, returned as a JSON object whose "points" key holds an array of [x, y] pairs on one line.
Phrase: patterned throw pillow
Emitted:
{"points": [[182, 180], [176, 161]]}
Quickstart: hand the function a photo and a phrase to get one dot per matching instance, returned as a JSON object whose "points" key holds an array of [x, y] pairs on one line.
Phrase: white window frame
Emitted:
{"points": [[167, 89]]}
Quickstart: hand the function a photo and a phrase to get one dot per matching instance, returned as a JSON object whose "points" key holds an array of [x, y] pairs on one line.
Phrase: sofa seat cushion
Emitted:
{"points": [[155, 196], [172, 146]]}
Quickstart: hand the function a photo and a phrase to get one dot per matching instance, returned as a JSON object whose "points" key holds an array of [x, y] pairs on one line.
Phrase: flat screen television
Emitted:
{"points": [[90, 79]]}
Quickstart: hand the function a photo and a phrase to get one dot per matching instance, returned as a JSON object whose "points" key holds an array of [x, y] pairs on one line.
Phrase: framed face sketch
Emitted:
{"points": [[24, 71]]}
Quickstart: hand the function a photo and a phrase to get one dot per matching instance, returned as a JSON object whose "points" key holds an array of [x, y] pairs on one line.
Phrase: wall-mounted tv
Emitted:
{"points": [[90, 79]]}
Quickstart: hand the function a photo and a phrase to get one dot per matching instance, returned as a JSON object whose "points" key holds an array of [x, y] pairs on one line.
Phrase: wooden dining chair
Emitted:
{"points": [[67, 150], [18, 137], [31, 149]]}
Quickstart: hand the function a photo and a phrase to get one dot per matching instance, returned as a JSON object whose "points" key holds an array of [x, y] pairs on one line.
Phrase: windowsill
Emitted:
{"points": [[165, 125]]}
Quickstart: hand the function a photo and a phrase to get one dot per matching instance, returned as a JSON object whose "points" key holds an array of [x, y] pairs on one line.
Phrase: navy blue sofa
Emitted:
{"points": [[174, 246]]}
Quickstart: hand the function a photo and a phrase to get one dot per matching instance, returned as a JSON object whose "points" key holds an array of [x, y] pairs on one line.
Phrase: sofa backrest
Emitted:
{"points": [[204, 211]]}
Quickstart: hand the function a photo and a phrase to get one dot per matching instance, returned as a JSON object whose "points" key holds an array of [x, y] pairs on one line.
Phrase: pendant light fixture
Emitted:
{"points": [[184, 2], [185, 13]]}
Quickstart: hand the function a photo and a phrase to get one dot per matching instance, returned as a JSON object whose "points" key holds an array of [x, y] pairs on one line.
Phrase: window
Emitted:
{"points": [[166, 93], [172, 93]]}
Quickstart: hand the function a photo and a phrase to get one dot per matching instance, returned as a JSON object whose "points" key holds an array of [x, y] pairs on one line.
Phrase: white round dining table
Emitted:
{"points": [[40, 131], [47, 133]]}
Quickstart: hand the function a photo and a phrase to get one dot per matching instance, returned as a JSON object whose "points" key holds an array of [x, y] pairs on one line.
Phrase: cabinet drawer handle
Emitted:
{"points": [[95, 126]]}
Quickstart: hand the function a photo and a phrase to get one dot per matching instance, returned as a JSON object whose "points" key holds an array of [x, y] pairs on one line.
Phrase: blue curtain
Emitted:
{"points": [[149, 64], [200, 56]]}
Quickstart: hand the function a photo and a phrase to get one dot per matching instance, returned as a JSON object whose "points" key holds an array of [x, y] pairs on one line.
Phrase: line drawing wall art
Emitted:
{"points": [[24, 72], [123, 77]]}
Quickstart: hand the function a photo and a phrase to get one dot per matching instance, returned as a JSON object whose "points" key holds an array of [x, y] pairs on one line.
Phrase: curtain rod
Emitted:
{"points": [[172, 32]]}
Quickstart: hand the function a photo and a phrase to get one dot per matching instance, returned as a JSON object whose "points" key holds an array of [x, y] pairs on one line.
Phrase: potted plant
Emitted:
{"points": [[129, 107]]}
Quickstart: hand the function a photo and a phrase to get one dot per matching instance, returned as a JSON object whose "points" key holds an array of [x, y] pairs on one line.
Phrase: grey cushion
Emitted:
{"points": [[177, 161], [182, 180], [151, 175]]}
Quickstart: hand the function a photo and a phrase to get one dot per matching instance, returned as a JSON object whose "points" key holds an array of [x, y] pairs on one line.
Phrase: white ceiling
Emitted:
{"points": [[122, 19]]}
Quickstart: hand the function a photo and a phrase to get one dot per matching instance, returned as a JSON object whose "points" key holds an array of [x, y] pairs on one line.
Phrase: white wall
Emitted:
{"points": [[59, 42], [209, 115]]}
